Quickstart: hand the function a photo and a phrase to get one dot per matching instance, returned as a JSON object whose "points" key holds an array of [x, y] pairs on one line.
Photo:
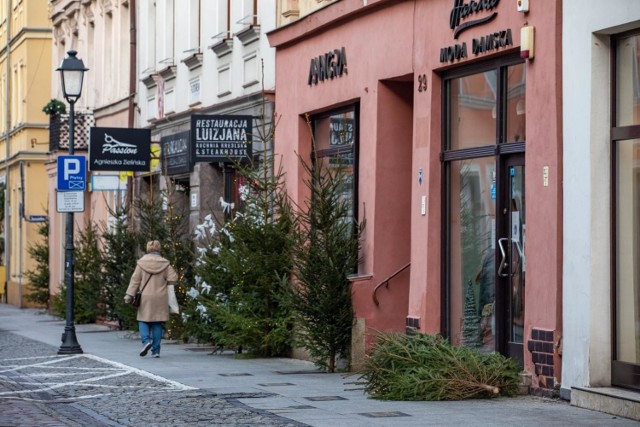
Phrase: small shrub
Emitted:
{"points": [[54, 107], [39, 276]]}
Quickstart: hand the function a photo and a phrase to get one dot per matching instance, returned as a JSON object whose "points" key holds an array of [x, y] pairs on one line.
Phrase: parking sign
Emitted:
{"points": [[72, 173]]}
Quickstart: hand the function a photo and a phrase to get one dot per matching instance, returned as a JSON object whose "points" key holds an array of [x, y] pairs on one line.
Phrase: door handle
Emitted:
{"points": [[503, 262]]}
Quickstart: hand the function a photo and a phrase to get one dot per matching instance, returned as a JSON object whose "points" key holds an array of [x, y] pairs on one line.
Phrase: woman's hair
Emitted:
{"points": [[153, 246]]}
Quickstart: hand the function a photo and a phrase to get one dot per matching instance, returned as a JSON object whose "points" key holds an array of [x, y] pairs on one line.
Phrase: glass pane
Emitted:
{"points": [[628, 250], [335, 131], [516, 258], [473, 110], [345, 162], [628, 82], [472, 227], [516, 104]]}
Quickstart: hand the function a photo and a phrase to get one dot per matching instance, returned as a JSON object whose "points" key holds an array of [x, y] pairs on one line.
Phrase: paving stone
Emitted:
{"points": [[39, 387]]}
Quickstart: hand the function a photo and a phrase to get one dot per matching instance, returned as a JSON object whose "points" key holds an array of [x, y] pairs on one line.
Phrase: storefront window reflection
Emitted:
{"points": [[628, 250], [628, 82], [472, 228], [516, 104], [473, 110], [335, 136]]}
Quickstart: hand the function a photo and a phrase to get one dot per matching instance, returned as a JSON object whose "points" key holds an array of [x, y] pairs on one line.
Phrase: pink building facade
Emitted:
{"points": [[454, 147]]}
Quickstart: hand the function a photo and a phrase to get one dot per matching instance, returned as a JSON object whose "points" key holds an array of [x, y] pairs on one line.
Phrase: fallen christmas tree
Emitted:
{"points": [[424, 367]]}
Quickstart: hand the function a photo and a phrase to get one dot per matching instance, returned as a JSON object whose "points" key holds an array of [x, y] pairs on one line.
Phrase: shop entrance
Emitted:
{"points": [[484, 223], [510, 258]]}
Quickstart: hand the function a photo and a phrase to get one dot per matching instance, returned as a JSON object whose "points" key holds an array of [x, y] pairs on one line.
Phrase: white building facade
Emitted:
{"points": [[201, 58], [601, 273]]}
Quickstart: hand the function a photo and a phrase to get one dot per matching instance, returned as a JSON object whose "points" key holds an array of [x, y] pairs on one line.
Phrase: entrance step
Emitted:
{"points": [[611, 400]]}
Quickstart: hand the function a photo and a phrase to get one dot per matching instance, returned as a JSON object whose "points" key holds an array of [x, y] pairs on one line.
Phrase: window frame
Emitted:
{"points": [[353, 149]]}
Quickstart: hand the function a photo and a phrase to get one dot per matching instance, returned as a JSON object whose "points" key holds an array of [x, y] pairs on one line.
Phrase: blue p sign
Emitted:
{"points": [[70, 167], [72, 173]]}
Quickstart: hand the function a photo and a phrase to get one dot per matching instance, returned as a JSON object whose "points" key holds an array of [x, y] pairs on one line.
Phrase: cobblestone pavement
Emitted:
{"points": [[40, 388]]}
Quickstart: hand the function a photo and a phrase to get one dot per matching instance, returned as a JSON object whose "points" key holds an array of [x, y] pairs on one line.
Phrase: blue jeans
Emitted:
{"points": [[153, 328]]}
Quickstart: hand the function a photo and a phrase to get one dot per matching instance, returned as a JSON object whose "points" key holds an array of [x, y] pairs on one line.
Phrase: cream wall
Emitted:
{"points": [[29, 66], [587, 214], [100, 32]]}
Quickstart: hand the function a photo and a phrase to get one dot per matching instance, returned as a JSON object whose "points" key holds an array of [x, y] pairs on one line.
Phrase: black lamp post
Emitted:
{"points": [[72, 73]]}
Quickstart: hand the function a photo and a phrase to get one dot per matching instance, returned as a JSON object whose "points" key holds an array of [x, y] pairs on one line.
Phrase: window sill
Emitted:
{"points": [[223, 47]]}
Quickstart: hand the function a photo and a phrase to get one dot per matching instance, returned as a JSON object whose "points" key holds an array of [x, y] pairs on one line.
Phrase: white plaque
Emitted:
{"points": [[70, 201]]}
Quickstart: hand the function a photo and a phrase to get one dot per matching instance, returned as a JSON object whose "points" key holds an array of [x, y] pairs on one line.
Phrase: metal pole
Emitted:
{"points": [[70, 343]]}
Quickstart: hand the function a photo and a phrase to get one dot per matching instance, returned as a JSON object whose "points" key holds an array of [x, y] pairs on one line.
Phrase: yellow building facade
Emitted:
{"points": [[25, 88]]}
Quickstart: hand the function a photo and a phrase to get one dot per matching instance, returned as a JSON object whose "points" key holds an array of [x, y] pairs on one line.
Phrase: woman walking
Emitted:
{"points": [[152, 276]]}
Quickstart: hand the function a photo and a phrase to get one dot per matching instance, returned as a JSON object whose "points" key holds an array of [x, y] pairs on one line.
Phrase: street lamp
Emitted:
{"points": [[72, 73]]}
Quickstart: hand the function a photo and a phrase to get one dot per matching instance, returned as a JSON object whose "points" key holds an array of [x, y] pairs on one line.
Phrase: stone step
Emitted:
{"points": [[610, 400]]}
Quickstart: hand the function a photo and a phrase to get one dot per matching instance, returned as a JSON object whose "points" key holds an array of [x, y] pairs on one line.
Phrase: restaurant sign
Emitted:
{"points": [[221, 138]]}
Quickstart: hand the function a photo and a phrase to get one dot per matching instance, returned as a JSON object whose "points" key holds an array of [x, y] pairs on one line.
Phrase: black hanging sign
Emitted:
{"points": [[119, 149], [221, 138], [176, 153]]}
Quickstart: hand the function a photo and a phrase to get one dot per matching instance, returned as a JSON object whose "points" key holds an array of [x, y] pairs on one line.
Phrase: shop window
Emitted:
{"points": [[473, 110], [625, 146], [335, 136]]}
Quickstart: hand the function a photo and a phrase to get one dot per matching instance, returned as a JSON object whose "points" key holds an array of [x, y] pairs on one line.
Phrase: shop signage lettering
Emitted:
{"points": [[461, 11], [328, 66], [452, 53], [119, 149], [221, 138], [175, 153], [493, 41]]}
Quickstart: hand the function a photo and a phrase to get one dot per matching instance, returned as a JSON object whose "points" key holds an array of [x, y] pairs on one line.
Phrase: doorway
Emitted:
{"points": [[485, 211], [510, 261]]}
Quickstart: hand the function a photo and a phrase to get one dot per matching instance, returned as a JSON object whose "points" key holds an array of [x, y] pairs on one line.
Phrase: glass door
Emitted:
{"points": [[484, 230], [511, 263]]}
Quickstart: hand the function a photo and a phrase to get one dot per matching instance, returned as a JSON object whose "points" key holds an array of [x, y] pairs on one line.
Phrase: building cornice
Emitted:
{"points": [[323, 19]]}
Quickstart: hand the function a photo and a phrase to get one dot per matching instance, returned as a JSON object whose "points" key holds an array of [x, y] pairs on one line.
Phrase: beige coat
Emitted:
{"points": [[154, 302]]}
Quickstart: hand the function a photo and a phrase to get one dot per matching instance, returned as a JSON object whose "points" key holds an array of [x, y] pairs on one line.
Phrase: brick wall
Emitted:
{"points": [[542, 351]]}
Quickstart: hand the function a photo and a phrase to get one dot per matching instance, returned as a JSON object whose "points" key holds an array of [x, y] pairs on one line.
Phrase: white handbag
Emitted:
{"points": [[173, 301]]}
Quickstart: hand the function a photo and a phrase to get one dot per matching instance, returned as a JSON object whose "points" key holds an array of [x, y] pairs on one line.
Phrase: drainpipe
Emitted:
{"points": [[132, 93], [21, 216], [7, 196]]}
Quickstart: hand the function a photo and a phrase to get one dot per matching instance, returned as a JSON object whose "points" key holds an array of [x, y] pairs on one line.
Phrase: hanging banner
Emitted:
{"points": [[221, 138], [120, 149], [176, 157]]}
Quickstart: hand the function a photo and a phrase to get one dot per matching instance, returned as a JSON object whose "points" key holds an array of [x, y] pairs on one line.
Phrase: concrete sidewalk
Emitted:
{"points": [[300, 393]]}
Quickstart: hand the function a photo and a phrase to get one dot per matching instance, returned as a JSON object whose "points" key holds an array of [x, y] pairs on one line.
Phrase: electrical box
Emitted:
{"points": [[523, 5]]}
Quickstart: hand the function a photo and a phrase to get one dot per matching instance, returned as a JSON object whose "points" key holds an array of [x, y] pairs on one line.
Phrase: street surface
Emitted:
{"points": [[40, 388], [189, 385]]}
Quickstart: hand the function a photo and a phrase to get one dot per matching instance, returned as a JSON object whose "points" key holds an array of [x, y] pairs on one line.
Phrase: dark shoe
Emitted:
{"points": [[155, 356], [145, 349]]}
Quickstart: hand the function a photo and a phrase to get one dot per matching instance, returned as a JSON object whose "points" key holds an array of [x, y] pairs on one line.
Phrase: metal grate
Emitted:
{"points": [[59, 131]]}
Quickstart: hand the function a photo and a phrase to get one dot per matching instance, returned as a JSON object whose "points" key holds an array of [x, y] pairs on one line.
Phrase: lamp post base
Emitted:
{"points": [[70, 343]]}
